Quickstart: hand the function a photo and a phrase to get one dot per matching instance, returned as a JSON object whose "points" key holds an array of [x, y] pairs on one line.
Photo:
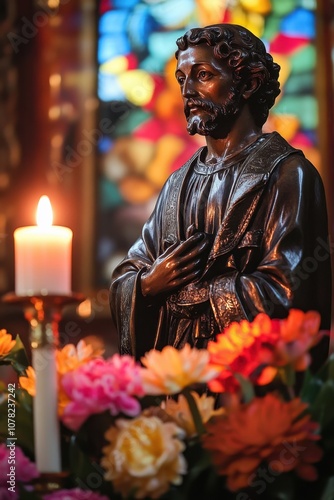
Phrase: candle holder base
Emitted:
{"points": [[49, 299], [49, 482]]}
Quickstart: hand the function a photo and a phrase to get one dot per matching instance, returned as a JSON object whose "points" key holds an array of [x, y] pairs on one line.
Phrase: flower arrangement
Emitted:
{"points": [[224, 422]]}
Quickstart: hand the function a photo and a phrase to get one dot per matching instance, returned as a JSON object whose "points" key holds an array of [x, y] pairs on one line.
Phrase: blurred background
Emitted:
{"points": [[91, 116]]}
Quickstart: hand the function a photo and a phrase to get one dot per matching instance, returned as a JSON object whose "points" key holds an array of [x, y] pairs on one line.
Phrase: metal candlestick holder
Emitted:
{"points": [[44, 312]]}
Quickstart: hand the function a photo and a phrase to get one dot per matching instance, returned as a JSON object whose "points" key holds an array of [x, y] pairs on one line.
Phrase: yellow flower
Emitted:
{"points": [[28, 382], [67, 359], [144, 457], [171, 370], [6, 342], [264, 429], [180, 412], [70, 357]]}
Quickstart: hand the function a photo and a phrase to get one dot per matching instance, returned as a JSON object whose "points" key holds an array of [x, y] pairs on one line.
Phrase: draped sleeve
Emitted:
{"points": [[129, 309]]}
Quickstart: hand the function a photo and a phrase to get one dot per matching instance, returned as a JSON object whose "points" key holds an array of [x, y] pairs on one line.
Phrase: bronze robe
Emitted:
{"points": [[268, 220]]}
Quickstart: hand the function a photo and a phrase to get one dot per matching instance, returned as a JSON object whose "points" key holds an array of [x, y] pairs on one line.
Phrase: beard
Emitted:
{"points": [[220, 117]]}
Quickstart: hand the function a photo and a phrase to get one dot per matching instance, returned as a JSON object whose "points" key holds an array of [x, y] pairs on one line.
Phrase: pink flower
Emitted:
{"points": [[75, 494], [99, 385], [25, 470]]}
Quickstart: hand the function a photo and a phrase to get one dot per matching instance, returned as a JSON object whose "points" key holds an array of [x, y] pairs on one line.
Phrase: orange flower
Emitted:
{"points": [[6, 342], [28, 382], [242, 439], [257, 349], [246, 348], [171, 370], [237, 337], [299, 332], [69, 358]]}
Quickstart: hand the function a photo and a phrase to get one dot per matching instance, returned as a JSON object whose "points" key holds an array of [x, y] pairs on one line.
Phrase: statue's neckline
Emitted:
{"points": [[210, 168]]}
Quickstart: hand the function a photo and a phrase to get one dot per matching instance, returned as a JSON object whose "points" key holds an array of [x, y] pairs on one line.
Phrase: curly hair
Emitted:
{"points": [[247, 57]]}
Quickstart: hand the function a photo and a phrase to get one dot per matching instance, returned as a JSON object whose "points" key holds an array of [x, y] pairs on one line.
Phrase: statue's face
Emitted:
{"points": [[209, 97]]}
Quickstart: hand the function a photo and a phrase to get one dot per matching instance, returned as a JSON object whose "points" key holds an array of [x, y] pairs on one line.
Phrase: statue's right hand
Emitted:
{"points": [[178, 266]]}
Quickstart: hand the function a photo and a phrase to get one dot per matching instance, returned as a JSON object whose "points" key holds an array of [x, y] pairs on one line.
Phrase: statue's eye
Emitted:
{"points": [[204, 75], [180, 79]]}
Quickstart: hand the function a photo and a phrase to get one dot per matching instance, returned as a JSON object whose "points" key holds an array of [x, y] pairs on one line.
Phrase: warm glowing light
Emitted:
{"points": [[54, 112], [44, 215], [53, 4], [84, 309], [55, 80]]}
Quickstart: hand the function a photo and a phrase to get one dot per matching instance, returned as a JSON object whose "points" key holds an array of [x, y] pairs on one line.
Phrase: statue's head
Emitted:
{"points": [[245, 55]]}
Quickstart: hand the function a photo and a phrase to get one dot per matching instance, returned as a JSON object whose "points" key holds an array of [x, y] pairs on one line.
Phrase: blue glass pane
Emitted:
{"points": [[141, 24], [112, 22], [173, 13], [108, 88], [124, 4], [162, 45], [105, 144], [299, 23], [112, 46]]}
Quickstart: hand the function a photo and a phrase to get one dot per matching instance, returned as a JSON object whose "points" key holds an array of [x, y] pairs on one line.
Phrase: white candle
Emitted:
{"points": [[43, 255], [46, 423]]}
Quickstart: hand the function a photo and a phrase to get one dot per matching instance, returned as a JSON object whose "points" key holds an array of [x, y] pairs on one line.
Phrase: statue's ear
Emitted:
{"points": [[250, 87]]}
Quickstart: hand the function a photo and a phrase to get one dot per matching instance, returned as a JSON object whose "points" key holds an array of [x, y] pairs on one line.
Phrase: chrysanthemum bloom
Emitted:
{"points": [[144, 457], [74, 494], [181, 414], [67, 359], [171, 370], [246, 348], [264, 429], [113, 384], [25, 470], [299, 332], [70, 357], [6, 343]]}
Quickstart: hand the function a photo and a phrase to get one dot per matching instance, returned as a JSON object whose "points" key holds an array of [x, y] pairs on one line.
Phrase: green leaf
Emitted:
{"points": [[282, 487], [310, 387], [313, 383], [24, 430], [247, 387], [17, 357], [86, 473], [328, 494], [288, 375], [323, 408], [326, 372], [201, 481], [330, 367], [312, 490], [198, 460], [195, 413], [26, 494]]}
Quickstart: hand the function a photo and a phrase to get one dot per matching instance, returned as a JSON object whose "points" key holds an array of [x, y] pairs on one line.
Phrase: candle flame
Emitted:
{"points": [[44, 213]]}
